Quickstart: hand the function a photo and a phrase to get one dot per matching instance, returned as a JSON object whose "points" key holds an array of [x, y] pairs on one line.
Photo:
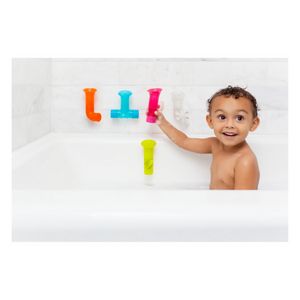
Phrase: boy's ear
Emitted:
{"points": [[255, 124], [209, 121]]}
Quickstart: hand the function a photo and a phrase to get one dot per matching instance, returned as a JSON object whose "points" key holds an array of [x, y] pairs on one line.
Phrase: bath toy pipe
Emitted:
{"points": [[148, 156], [89, 105], [180, 115], [153, 104], [124, 112]]}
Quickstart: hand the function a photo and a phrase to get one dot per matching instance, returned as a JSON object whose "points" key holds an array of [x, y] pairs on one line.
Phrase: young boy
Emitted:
{"points": [[232, 114]]}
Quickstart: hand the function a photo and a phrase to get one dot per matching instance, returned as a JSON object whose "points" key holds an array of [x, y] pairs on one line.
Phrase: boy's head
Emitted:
{"points": [[235, 92], [232, 114]]}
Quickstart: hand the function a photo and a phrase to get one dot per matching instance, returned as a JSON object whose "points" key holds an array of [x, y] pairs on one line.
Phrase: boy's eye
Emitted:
{"points": [[221, 117], [240, 118]]}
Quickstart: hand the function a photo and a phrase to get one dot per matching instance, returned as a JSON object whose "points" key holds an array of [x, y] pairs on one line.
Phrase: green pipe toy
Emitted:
{"points": [[148, 156]]}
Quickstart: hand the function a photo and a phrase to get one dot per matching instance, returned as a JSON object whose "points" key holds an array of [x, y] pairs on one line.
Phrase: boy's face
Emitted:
{"points": [[231, 119]]}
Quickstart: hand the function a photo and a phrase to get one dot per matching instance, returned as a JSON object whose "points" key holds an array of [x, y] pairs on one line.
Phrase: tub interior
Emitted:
{"points": [[72, 161]]}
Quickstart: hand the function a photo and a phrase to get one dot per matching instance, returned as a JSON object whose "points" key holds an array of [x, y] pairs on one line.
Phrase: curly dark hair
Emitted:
{"points": [[235, 92]]}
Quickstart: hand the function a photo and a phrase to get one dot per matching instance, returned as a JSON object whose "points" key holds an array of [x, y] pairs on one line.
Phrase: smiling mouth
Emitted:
{"points": [[229, 134]]}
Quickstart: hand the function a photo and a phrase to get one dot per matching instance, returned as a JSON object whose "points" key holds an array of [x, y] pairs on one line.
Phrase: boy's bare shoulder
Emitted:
{"points": [[246, 172], [247, 159]]}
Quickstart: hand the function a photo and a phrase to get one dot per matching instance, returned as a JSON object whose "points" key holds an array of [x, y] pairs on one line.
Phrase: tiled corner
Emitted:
{"points": [[19, 132], [27, 99], [47, 98], [38, 125], [27, 129], [29, 71], [31, 99]]}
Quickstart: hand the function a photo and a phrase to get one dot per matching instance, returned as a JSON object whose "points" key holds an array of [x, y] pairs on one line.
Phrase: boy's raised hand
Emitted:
{"points": [[159, 114]]}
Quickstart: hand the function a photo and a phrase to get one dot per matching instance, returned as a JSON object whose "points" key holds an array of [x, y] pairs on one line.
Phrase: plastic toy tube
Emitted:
{"points": [[179, 114], [89, 107], [153, 104], [148, 156], [125, 112]]}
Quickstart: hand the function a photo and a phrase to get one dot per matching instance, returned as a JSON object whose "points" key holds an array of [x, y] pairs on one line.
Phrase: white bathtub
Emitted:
{"points": [[91, 187]]}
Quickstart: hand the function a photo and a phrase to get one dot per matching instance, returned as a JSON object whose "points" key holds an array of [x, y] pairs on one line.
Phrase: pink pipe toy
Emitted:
{"points": [[153, 104]]}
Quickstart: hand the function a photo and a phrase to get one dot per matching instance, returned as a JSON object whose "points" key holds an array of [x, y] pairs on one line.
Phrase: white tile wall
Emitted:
{"points": [[19, 132], [85, 73], [38, 125], [49, 92], [156, 73], [31, 100], [33, 71], [240, 73], [277, 121], [27, 99], [199, 79]]}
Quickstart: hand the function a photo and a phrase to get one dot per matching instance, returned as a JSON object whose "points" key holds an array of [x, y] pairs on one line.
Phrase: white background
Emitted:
{"points": [[149, 270]]}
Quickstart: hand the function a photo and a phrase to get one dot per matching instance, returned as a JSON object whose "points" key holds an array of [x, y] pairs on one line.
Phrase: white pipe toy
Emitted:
{"points": [[179, 114]]}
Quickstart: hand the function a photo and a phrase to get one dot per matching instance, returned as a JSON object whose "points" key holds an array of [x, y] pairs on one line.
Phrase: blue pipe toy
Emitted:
{"points": [[124, 112]]}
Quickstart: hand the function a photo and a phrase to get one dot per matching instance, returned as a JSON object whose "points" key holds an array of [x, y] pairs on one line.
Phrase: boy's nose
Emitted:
{"points": [[229, 124]]}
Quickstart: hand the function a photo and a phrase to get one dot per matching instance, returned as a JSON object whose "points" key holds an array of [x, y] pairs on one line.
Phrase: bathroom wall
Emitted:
{"points": [[31, 100], [266, 79]]}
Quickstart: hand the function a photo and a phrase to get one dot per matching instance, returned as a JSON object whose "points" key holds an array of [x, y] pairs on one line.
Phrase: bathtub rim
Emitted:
{"points": [[28, 151]]}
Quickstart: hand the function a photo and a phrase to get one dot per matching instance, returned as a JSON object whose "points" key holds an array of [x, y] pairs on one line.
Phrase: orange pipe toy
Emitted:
{"points": [[89, 107]]}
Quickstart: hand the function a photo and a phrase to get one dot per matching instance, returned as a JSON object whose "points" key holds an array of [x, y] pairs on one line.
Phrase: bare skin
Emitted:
{"points": [[234, 165]]}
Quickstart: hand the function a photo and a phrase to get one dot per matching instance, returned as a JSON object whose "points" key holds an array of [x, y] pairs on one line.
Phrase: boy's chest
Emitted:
{"points": [[222, 171]]}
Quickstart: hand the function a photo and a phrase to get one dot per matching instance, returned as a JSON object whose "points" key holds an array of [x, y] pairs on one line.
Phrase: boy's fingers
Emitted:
{"points": [[162, 106]]}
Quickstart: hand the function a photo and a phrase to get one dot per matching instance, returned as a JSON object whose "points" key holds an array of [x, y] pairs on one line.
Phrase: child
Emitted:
{"points": [[232, 114]]}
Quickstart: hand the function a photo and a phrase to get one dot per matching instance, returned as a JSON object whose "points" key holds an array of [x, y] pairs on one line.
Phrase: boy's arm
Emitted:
{"points": [[180, 139], [245, 174]]}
